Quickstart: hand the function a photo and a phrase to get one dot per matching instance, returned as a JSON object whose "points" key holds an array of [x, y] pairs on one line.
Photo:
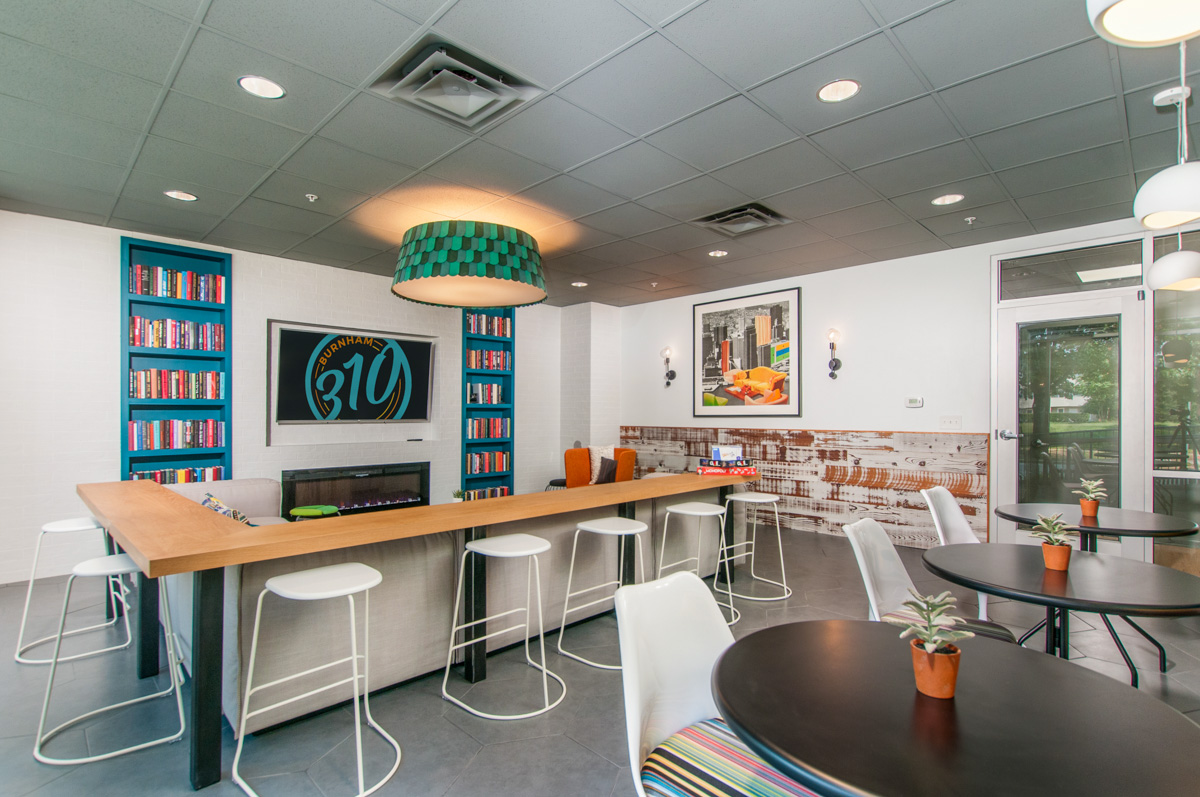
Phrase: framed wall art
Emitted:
{"points": [[747, 355]]}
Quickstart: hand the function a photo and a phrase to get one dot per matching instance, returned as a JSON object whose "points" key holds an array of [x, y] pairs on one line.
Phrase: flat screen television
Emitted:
{"points": [[331, 375]]}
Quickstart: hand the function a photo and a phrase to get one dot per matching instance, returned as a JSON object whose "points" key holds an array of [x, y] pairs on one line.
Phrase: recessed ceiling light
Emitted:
{"points": [[839, 90], [261, 87], [947, 199], [182, 196], [578, 284], [717, 253]]}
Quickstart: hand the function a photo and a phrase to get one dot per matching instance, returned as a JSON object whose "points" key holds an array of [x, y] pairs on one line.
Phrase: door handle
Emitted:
{"points": [[1005, 434]]}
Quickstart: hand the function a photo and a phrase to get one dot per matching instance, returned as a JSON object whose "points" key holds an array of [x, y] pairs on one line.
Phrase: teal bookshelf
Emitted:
{"points": [[175, 363], [487, 447]]}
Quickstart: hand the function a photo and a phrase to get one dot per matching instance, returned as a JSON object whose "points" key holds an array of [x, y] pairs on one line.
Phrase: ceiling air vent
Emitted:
{"points": [[447, 82], [743, 219]]}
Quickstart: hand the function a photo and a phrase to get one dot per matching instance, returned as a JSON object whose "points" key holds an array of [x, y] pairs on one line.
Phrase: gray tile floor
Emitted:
{"points": [[577, 749]]}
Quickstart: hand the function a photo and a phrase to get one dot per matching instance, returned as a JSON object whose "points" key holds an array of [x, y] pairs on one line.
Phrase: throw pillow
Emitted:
{"points": [[215, 505], [595, 454], [608, 471]]}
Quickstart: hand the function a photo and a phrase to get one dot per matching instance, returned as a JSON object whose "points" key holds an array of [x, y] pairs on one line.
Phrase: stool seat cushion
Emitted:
{"points": [[266, 521], [334, 581], [509, 545], [617, 526], [709, 760], [697, 508], [73, 524], [753, 498], [118, 564]]}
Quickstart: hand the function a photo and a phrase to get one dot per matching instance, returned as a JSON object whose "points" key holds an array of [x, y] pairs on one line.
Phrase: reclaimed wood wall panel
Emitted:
{"points": [[827, 479]]}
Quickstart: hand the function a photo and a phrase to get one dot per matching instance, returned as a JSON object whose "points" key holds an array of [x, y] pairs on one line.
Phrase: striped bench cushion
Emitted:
{"points": [[709, 760]]}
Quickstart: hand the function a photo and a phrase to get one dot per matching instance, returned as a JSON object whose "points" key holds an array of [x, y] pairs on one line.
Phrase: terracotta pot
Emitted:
{"points": [[936, 673], [1088, 508], [1057, 557]]}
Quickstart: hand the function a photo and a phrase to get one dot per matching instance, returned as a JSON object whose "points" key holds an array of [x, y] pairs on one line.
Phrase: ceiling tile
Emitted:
{"points": [[914, 126], [646, 87], [178, 219], [332, 252], [382, 264], [836, 193], [734, 249], [794, 164], [627, 220], [169, 158], [447, 199], [1144, 117], [38, 75], [86, 30], [983, 235], [999, 213], [303, 32], [572, 236], [525, 217], [656, 285], [753, 266], [1058, 134], [58, 211], [575, 264], [148, 188], [620, 253], [536, 39], [556, 133], [351, 232], [680, 236], [622, 275], [391, 215], [24, 122], [817, 252], [977, 191], [1160, 150], [749, 43], [51, 196], [182, 8], [695, 198], [280, 217], [894, 10], [892, 237], [858, 219], [1078, 167], [909, 250], [885, 77], [1046, 85], [667, 264], [933, 167], [386, 130], [214, 63], [1113, 191], [634, 170], [787, 236], [323, 160], [490, 168], [1151, 66], [724, 133], [216, 129], [59, 168], [659, 10], [1082, 218], [967, 38], [568, 197], [416, 10], [290, 189]]}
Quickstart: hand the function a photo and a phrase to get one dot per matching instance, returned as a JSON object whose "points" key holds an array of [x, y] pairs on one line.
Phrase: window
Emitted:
{"points": [[1091, 269]]}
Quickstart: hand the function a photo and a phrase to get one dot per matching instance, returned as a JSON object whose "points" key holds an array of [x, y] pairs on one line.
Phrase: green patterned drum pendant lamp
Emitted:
{"points": [[469, 264]]}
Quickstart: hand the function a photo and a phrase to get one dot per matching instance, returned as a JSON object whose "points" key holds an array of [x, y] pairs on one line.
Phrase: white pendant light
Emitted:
{"points": [[1172, 197], [1145, 23], [1178, 271]]}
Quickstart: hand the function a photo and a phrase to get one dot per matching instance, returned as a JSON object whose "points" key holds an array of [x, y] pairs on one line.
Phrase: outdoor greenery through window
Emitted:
{"points": [[1176, 370]]}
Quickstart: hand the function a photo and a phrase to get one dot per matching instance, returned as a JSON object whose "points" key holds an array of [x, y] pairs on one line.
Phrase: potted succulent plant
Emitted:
{"points": [[458, 495], [935, 658], [1056, 544], [1090, 495]]}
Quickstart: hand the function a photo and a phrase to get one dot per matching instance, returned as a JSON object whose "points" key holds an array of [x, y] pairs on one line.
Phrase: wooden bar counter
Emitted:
{"points": [[168, 534]]}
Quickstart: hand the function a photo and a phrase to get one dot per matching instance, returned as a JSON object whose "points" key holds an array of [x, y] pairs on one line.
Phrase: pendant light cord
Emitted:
{"points": [[1183, 126]]}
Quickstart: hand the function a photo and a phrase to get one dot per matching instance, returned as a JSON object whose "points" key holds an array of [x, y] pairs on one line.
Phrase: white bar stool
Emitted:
{"points": [[509, 546], [748, 547], [116, 591], [613, 527], [699, 511], [320, 583], [109, 567]]}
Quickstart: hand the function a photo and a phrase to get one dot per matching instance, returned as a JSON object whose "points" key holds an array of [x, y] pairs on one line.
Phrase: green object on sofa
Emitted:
{"points": [[714, 401], [316, 510]]}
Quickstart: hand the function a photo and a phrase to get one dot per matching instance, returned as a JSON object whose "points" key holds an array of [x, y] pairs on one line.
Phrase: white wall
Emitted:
{"points": [[538, 454], [918, 326]]}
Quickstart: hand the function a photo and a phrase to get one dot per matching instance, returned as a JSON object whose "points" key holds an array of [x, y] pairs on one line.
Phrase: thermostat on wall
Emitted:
{"points": [[914, 402]]}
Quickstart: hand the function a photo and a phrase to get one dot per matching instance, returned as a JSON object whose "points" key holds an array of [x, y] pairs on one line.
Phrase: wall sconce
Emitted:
{"points": [[666, 355], [834, 363]]}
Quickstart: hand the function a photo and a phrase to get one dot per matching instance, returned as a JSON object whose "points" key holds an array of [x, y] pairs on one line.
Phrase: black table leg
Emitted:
{"points": [[1087, 541], [727, 535], [146, 623], [1162, 653], [1064, 636], [627, 548], [204, 724], [1051, 629], [1133, 673], [474, 608], [1025, 637]]}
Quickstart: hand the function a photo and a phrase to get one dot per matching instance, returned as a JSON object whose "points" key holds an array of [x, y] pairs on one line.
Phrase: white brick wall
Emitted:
{"points": [[538, 454]]}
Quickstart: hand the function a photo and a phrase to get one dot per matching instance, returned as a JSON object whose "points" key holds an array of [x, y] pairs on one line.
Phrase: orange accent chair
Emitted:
{"points": [[579, 465], [762, 381]]}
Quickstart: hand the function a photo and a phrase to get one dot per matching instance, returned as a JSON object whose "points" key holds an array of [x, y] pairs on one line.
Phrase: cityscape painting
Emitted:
{"points": [[747, 355]]}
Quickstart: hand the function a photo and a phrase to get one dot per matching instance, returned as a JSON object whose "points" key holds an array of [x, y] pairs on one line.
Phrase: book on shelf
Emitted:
{"points": [[488, 428], [163, 383], [485, 492], [176, 434], [176, 284], [484, 324], [215, 473], [484, 393], [171, 333], [488, 462], [489, 359]]}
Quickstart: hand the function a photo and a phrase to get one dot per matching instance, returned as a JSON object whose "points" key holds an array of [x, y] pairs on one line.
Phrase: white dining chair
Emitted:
{"points": [[952, 527]]}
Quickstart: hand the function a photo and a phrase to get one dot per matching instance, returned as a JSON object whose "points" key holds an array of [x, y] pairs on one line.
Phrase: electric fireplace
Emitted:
{"points": [[355, 489]]}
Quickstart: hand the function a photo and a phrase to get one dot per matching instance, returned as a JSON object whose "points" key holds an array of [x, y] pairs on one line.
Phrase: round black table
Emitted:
{"points": [[1108, 520], [1095, 582], [831, 704]]}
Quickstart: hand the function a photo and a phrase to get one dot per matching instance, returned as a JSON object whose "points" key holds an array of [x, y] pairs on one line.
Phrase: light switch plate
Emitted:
{"points": [[950, 423]]}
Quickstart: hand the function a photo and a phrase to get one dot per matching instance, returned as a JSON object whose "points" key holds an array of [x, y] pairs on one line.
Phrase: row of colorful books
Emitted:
{"points": [[485, 492], [727, 467], [484, 324], [484, 393], [181, 475], [489, 462], [175, 284], [489, 359], [172, 434], [171, 333], [161, 383], [488, 428]]}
